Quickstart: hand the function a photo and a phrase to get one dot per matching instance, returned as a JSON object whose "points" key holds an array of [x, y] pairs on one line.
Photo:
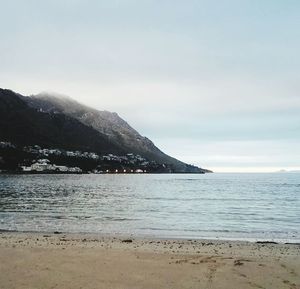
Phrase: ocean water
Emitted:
{"points": [[225, 206]]}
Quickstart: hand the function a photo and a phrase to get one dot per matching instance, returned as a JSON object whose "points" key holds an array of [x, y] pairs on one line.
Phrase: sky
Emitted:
{"points": [[213, 83]]}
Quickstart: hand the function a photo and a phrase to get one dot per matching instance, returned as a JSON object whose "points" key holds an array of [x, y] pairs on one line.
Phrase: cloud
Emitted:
{"points": [[192, 71], [240, 155]]}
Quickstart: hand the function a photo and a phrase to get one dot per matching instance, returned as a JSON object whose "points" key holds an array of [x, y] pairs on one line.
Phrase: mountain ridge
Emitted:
{"points": [[106, 126], [25, 125]]}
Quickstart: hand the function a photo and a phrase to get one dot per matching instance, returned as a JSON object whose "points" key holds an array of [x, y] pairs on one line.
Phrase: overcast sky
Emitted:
{"points": [[213, 83]]}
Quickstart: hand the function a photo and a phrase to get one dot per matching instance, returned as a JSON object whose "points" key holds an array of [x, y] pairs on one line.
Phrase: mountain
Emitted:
{"points": [[53, 120], [115, 128], [24, 125]]}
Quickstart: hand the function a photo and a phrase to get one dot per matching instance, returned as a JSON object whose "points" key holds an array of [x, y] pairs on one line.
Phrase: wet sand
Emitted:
{"points": [[37, 260]]}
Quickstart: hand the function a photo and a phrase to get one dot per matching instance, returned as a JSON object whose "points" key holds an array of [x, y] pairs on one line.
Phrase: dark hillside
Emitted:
{"points": [[25, 125]]}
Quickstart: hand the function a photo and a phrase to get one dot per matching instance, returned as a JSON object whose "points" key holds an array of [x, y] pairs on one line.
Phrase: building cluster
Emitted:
{"points": [[58, 152], [129, 158], [79, 154], [44, 165], [43, 159]]}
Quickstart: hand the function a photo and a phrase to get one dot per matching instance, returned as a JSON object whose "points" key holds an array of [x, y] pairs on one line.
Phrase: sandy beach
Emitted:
{"points": [[37, 260]]}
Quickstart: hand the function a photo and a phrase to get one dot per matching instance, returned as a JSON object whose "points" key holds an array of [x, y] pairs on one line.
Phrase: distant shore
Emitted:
{"points": [[101, 173], [58, 260]]}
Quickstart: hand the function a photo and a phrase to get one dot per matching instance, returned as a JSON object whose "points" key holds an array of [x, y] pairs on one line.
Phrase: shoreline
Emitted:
{"points": [[139, 239], [64, 260], [103, 173], [279, 241]]}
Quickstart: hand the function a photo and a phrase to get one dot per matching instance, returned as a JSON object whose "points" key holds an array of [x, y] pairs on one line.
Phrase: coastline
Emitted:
{"points": [[161, 237], [48, 260], [101, 173]]}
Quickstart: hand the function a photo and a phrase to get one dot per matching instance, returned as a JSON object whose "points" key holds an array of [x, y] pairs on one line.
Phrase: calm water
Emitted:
{"points": [[230, 206]]}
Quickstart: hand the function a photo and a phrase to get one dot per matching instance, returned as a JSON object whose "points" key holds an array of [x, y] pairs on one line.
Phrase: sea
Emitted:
{"points": [[227, 206]]}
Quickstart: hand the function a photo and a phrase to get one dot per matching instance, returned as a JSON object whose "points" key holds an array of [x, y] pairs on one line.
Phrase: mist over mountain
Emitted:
{"points": [[54, 120]]}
